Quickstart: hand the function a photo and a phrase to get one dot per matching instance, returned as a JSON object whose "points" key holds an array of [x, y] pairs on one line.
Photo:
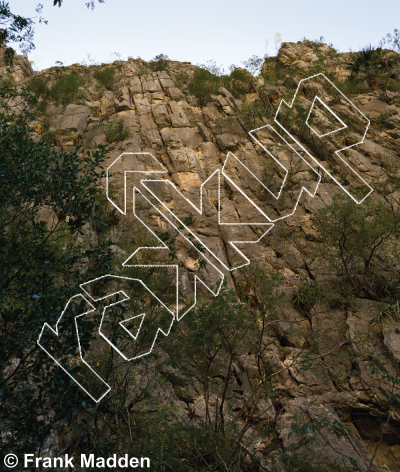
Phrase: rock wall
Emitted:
{"points": [[192, 142]]}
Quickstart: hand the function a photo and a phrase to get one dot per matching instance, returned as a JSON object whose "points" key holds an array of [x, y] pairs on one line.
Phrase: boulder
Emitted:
{"points": [[149, 84], [142, 104], [135, 86], [187, 136], [175, 94], [161, 115], [74, 118], [166, 83], [178, 117]]}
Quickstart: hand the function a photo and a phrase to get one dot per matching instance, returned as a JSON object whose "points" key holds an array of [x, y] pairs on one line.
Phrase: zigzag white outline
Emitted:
{"points": [[55, 331], [334, 114], [199, 210], [143, 182], [334, 131], [178, 318], [124, 321], [284, 180]]}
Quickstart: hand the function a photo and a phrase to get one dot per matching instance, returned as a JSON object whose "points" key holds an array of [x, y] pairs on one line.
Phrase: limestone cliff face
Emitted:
{"points": [[20, 70], [160, 117]]}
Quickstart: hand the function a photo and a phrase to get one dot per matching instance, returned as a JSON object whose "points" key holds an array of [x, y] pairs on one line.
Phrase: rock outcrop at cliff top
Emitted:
{"points": [[191, 142]]}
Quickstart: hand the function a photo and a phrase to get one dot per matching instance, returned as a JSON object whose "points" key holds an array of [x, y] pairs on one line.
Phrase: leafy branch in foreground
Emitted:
{"points": [[43, 259]]}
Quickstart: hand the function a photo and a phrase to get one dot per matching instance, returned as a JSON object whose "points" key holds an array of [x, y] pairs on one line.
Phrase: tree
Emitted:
{"points": [[89, 4], [16, 29], [159, 62], [204, 84], [392, 40], [254, 64], [42, 265], [19, 29], [360, 243]]}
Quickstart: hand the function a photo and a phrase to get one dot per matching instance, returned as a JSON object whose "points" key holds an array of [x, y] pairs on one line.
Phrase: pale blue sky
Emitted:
{"points": [[228, 32]]}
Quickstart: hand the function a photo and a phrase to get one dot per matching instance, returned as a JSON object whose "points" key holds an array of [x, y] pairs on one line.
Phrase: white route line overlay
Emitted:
{"points": [[331, 132], [199, 210], [124, 321], [196, 278], [55, 331]]}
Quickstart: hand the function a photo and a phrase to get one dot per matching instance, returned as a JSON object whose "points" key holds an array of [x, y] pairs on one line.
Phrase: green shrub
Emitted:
{"points": [[389, 313], [373, 65], [360, 245], [107, 217], [239, 82], [189, 220], [250, 114], [380, 121], [50, 137], [306, 296], [203, 85], [38, 86], [116, 132], [159, 63], [106, 77], [350, 87], [181, 80], [6, 80], [65, 90]]}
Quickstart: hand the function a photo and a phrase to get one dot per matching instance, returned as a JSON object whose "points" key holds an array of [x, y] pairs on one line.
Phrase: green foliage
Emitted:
{"points": [[107, 217], [207, 82], [189, 220], [389, 313], [42, 265], [238, 82], [50, 137], [348, 87], [360, 244], [204, 84], [251, 114], [6, 80], [374, 66], [65, 90], [306, 296], [38, 86], [273, 70], [105, 77], [181, 80], [380, 122], [159, 63], [16, 29], [116, 132], [184, 447]]}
